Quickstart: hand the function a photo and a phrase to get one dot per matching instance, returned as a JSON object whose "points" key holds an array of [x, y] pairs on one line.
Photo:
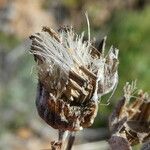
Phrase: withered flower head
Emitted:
{"points": [[73, 75], [130, 119]]}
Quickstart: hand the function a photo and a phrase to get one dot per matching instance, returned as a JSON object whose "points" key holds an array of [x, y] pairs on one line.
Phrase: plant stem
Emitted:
{"points": [[71, 141]]}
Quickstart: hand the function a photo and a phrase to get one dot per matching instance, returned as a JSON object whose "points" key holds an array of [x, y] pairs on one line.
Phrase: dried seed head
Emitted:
{"points": [[72, 76], [131, 119]]}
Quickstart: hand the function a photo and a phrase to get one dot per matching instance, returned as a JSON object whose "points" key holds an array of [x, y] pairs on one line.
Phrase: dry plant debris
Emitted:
{"points": [[130, 120], [72, 77]]}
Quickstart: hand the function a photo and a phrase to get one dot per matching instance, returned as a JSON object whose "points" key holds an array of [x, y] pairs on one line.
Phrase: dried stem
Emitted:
{"points": [[62, 138], [71, 141]]}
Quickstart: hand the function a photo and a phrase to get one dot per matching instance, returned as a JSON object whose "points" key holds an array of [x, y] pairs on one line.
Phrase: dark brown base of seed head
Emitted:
{"points": [[62, 115]]}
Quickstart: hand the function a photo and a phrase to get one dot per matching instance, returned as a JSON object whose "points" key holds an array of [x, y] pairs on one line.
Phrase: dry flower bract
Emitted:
{"points": [[73, 75]]}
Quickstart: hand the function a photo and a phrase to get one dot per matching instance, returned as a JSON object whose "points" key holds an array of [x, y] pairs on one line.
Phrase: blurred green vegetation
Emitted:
{"points": [[8, 41], [17, 89], [129, 31]]}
